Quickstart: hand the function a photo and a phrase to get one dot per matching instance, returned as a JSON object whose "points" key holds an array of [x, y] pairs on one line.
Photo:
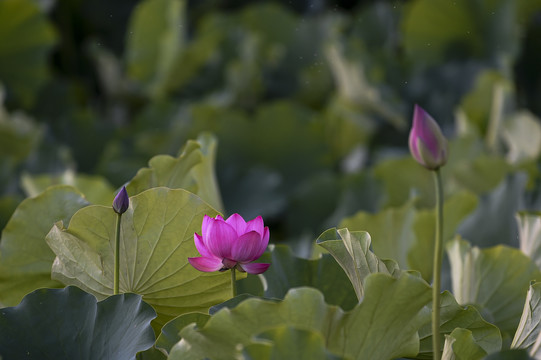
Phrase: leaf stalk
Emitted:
{"points": [[233, 283], [117, 255], [438, 254]]}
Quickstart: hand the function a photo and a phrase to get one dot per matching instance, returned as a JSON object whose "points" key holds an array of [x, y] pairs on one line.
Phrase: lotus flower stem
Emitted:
{"points": [[117, 254], [438, 253], [233, 283], [121, 203]]}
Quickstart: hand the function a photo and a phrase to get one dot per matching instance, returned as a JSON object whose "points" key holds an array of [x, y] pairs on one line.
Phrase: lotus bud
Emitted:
{"points": [[427, 144], [121, 202]]}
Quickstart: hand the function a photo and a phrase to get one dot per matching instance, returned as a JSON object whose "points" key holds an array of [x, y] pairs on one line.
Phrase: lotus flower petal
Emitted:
{"points": [[264, 241], [256, 225], [204, 227], [255, 268], [206, 264], [219, 238], [201, 247], [232, 243], [238, 223], [247, 247]]}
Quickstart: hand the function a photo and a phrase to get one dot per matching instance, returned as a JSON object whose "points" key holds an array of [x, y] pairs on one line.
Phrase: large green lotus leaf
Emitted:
{"points": [[432, 27], [494, 222], [383, 326], [452, 316], [437, 30], [153, 46], [26, 38], [151, 354], [156, 241], [391, 231], [231, 303], [323, 200], [276, 122], [170, 333], [288, 271], [197, 53], [400, 177], [522, 135], [466, 157], [96, 189], [489, 171], [455, 209], [358, 100], [25, 258], [193, 170], [494, 279], [476, 106], [460, 345], [529, 228], [19, 135], [8, 204], [70, 324], [528, 333], [513, 354], [352, 251], [287, 342]]}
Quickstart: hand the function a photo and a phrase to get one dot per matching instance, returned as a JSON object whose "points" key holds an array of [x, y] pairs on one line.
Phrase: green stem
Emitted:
{"points": [[496, 117], [233, 283], [438, 253], [117, 255]]}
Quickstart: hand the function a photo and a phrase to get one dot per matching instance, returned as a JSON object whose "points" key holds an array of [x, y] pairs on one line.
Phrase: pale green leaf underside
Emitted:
{"points": [[170, 332], [455, 209], [193, 170], [156, 240], [287, 342], [460, 345], [288, 271], [522, 135], [96, 189], [528, 335], [391, 231], [494, 279], [529, 227], [352, 251], [383, 326], [407, 235], [453, 316]]}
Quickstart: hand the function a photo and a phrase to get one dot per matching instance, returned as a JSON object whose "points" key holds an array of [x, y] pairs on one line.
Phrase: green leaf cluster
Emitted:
{"points": [[310, 107]]}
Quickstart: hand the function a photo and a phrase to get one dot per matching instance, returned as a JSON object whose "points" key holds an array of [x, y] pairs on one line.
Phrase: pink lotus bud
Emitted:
{"points": [[427, 144], [232, 243], [121, 202]]}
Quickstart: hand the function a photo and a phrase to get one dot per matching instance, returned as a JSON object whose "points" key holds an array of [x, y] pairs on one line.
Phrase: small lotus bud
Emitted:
{"points": [[121, 202], [427, 144]]}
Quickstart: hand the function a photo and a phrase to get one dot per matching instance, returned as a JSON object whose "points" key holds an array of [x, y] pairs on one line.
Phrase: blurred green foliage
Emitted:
{"points": [[310, 101]]}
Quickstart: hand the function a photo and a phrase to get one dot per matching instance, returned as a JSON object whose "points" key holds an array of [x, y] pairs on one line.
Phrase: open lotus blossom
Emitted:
{"points": [[427, 144], [231, 244]]}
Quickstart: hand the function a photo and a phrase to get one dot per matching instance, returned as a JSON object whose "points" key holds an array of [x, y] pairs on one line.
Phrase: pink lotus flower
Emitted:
{"points": [[427, 144], [231, 243]]}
